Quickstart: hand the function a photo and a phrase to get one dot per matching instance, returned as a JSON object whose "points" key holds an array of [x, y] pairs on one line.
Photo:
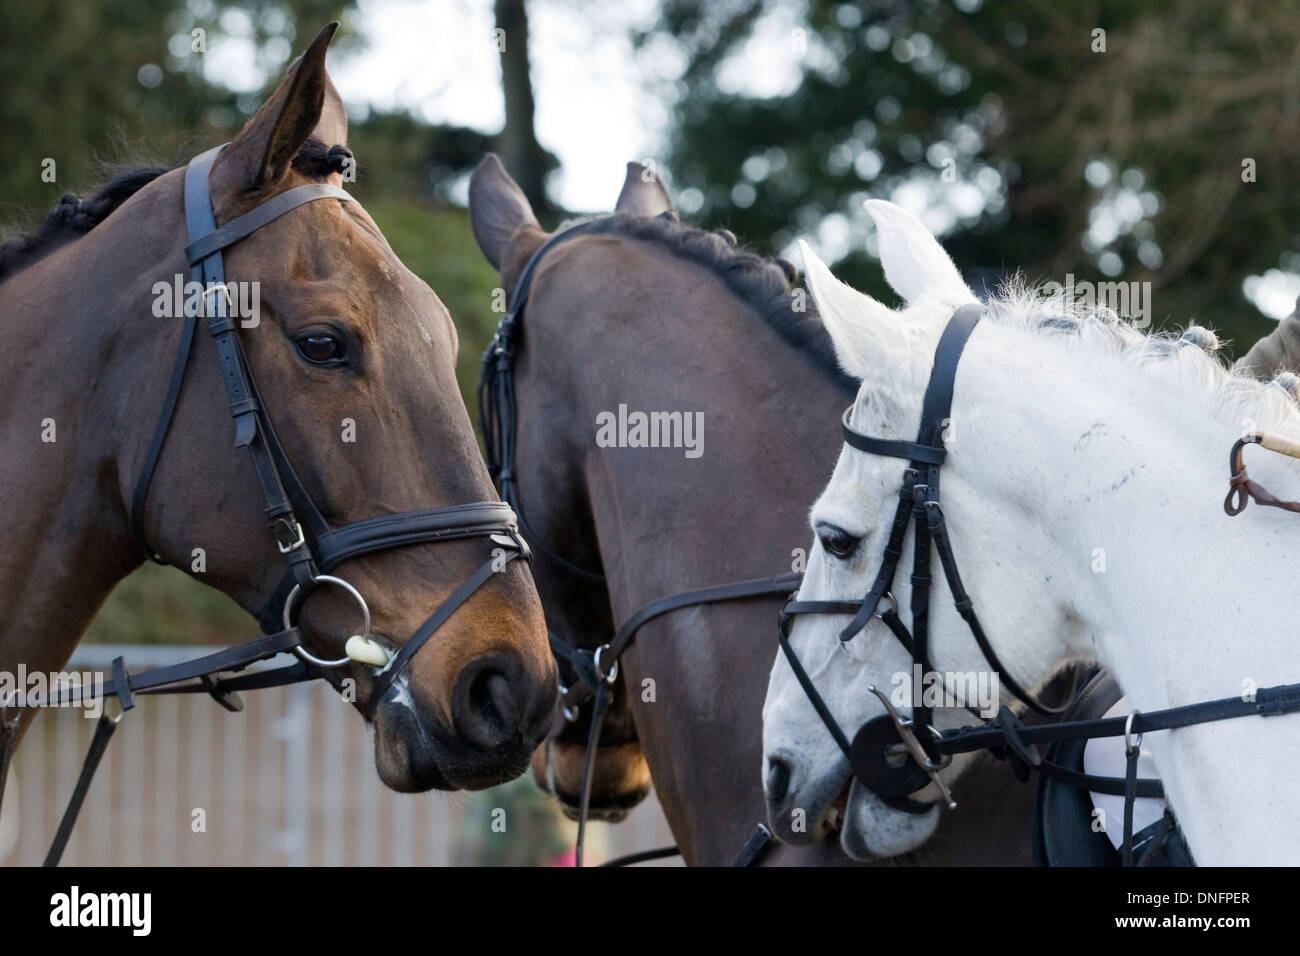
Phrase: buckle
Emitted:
{"points": [[607, 679], [292, 526], [226, 294]]}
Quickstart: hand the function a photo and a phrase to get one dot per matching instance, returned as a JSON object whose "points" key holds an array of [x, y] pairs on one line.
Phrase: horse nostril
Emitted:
{"points": [[484, 708], [778, 779]]}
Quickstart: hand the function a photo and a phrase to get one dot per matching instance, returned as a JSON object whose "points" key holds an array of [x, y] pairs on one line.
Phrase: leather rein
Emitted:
{"points": [[310, 546], [896, 756]]}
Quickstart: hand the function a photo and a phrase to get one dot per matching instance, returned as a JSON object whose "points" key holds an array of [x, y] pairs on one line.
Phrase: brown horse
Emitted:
{"points": [[353, 360], [656, 316]]}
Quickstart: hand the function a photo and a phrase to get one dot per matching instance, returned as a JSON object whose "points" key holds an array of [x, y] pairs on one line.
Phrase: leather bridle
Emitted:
{"points": [[895, 756], [310, 546]]}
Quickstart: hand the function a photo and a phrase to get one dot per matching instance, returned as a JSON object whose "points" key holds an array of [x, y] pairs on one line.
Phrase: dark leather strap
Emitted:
{"points": [[435, 620], [598, 708], [475, 520], [755, 847], [216, 239], [581, 658], [125, 684], [179, 366], [496, 395], [98, 744], [889, 447], [1241, 489], [643, 856], [1131, 755]]}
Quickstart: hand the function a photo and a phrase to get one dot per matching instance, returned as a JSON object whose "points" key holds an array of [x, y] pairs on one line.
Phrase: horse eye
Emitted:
{"points": [[838, 542], [320, 348]]}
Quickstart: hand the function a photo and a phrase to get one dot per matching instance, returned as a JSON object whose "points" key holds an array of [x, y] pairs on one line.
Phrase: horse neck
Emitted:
{"points": [[75, 324], [669, 336], [1182, 602], [673, 337]]}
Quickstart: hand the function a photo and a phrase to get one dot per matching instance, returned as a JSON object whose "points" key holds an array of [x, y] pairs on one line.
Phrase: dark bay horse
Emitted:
{"points": [[647, 315], [352, 357]]}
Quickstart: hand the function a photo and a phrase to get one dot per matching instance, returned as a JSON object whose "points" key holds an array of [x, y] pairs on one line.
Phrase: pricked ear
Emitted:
{"points": [[863, 331], [498, 208], [916, 267], [304, 103], [643, 194]]}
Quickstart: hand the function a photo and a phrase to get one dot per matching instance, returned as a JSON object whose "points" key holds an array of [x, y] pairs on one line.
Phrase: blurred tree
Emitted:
{"points": [[1103, 138], [526, 159], [89, 81]]}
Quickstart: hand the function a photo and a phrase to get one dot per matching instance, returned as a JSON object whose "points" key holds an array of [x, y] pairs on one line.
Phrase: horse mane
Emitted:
{"points": [[1185, 362], [766, 285], [73, 217]]}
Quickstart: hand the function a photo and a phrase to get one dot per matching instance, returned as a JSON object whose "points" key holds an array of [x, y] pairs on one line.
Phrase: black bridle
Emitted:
{"points": [[593, 671], [310, 546], [887, 755]]}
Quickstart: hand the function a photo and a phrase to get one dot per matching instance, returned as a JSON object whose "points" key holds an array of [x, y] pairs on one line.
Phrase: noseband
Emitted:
{"points": [[310, 546], [887, 755]]}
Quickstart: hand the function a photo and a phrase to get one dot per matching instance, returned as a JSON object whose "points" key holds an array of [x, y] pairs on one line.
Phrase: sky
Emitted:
{"points": [[601, 102]]}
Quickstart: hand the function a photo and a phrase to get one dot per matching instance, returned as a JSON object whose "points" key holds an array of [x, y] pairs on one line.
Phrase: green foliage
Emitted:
{"points": [[1014, 90], [158, 605], [74, 93], [435, 242]]}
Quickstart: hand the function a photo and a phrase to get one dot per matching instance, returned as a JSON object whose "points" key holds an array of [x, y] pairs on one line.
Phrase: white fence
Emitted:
{"points": [[288, 781]]}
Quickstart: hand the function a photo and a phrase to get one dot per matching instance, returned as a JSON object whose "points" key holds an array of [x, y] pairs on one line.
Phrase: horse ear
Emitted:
{"points": [[915, 264], [498, 208], [305, 103], [863, 331], [643, 194]]}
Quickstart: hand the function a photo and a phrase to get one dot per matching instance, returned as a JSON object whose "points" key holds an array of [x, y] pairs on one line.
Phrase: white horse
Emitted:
{"points": [[1083, 490]]}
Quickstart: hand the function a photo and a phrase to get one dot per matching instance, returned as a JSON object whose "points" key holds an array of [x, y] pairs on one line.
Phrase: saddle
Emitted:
{"points": [[1063, 833]]}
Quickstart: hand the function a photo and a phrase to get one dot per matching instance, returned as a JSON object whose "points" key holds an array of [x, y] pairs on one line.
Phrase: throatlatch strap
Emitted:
{"points": [[496, 396]]}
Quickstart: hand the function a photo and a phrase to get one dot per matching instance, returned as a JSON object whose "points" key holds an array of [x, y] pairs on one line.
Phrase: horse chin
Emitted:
{"points": [[404, 752], [621, 780], [872, 830], [411, 758]]}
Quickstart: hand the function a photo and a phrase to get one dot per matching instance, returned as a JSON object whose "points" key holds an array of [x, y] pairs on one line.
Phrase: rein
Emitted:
{"points": [[895, 756], [310, 546]]}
